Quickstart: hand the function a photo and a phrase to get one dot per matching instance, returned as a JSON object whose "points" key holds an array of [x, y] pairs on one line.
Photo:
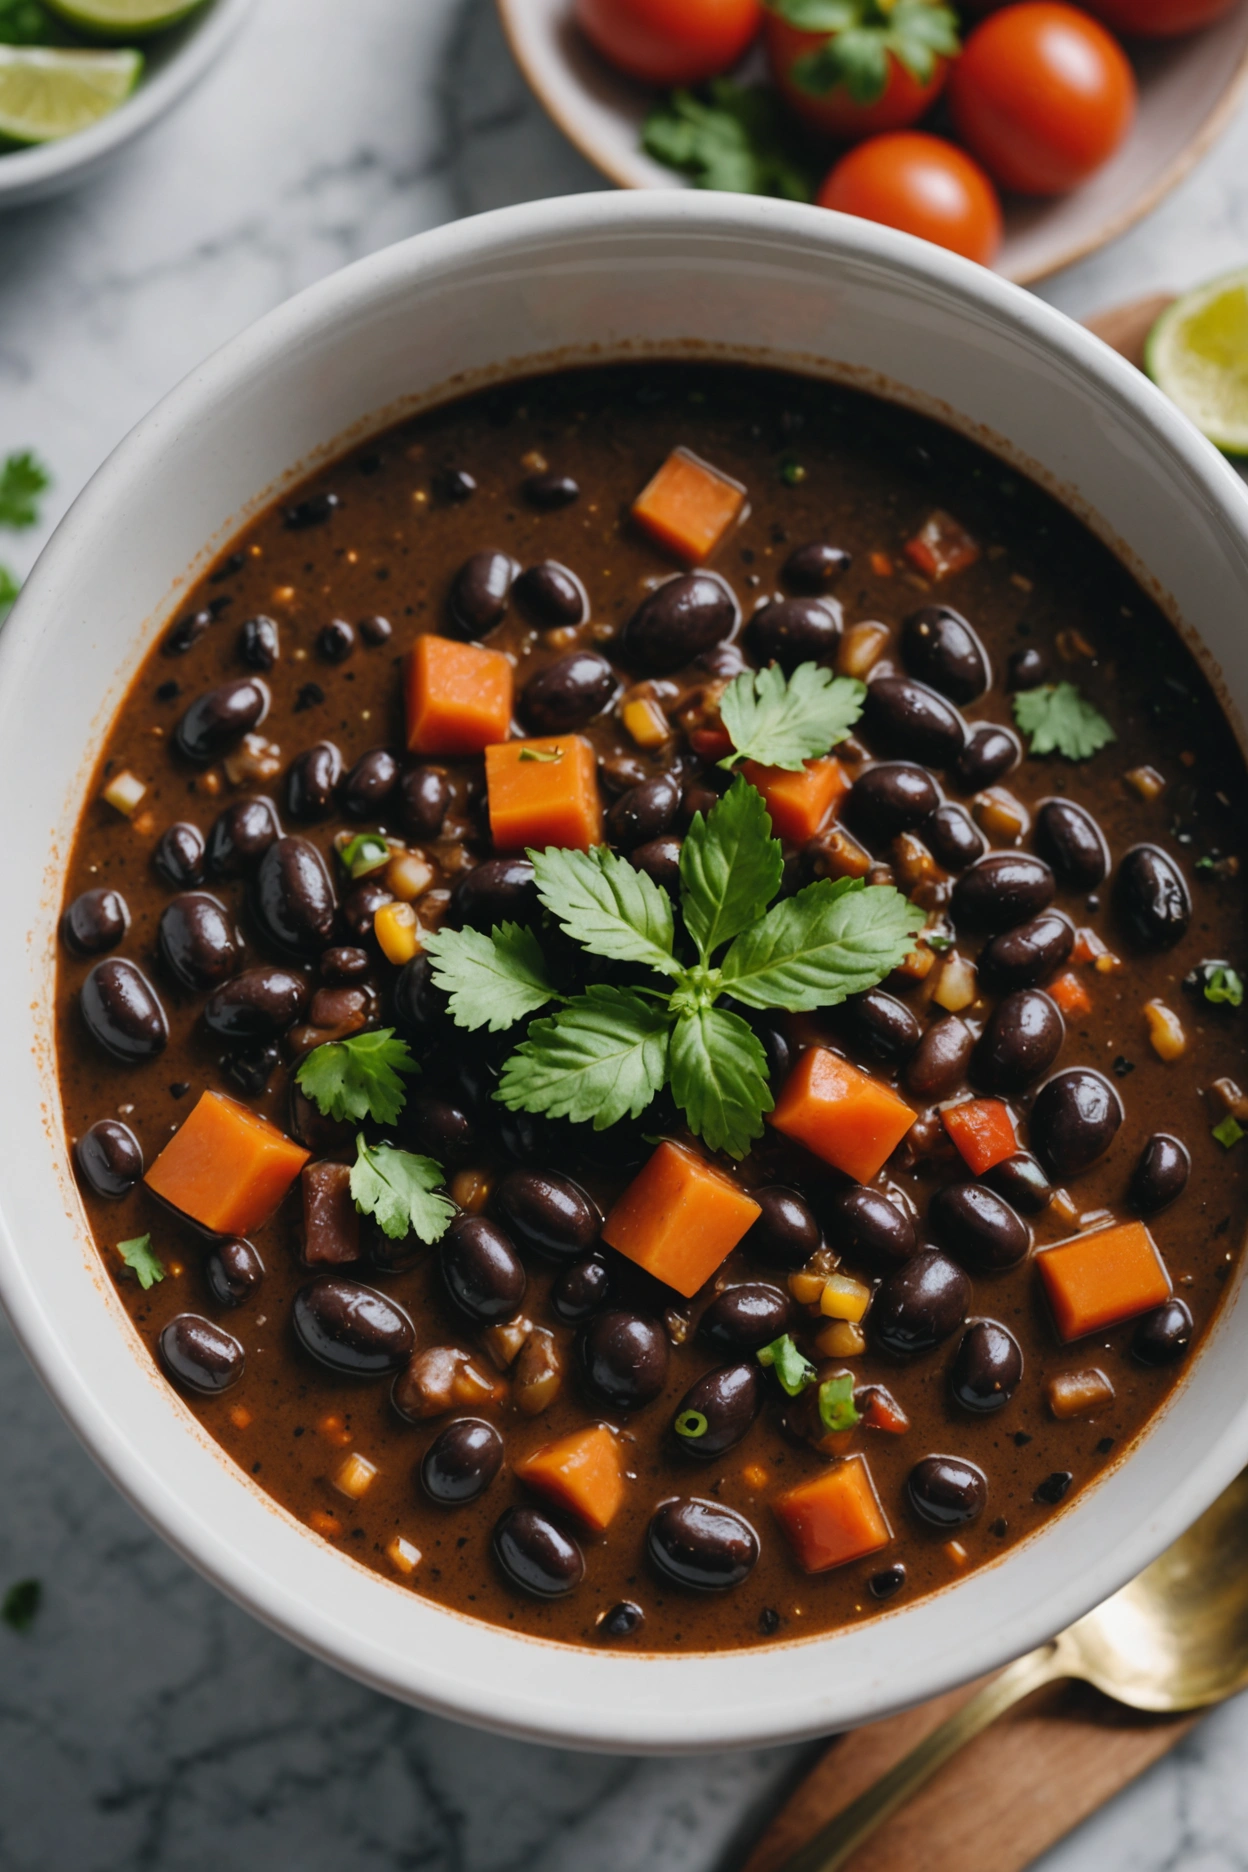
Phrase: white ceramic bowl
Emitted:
{"points": [[598, 276], [176, 61]]}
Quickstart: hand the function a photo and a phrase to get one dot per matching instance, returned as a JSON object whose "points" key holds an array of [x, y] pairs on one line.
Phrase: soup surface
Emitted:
{"points": [[910, 1197]]}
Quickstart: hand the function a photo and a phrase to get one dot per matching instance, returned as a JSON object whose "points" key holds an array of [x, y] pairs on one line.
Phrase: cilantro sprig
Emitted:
{"points": [[1060, 720], [793, 1369], [358, 1078], [399, 1189], [781, 722], [23, 478], [142, 1260], [862, 36], [731, 137]]}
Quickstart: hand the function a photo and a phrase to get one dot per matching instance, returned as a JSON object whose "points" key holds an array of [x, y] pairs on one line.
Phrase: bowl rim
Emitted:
{"points": [[523, 1704]]}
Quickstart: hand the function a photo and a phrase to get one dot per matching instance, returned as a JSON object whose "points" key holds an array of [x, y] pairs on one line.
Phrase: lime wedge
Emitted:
{"points": [[122, 19], [46, 93], [1197, 352]]}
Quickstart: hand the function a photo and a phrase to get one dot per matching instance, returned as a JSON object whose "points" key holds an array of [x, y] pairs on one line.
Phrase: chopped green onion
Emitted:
{"points": [[792, 474], [793, 1370], [837, 1410], [541, 754], [1228, 1132], [1225, 985], [691, 1423], [365, 853]]}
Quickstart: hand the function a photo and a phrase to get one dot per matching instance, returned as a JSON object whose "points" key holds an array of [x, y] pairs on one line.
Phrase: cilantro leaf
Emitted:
{"points": [[601, 1058], [493, 981], [1061, 721], [732, 137], [861, 37], [837, 1410], [719, 1078], [141, 1259], [358, 1078], [397, 1188], [1225, 986], [22, 480], [830, 941], [21, 1602], [784, 723], [793, 1370], [607, 906], [9, 588], [730, 868]]}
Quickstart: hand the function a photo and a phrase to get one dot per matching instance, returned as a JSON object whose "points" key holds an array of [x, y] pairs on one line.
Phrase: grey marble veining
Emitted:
{"points": [[145, 1724]]}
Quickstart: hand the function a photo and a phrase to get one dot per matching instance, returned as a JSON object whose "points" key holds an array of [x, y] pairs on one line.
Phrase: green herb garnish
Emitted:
{"points": [[732, 137], [139, 1256], [784, 723], [23, 479], [691, 1424], [862, 37], [1229, 1132], [1060, 720], [837, 1410], [9, 588], [545, 754], [792, 473], [21, 1603], [794, 1371], [494, 980], [1225, 986], [358, 1078], [365, 853], [398, 1189]]}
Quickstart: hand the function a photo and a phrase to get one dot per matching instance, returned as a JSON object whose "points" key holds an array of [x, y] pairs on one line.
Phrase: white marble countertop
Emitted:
{"points": [[145, 1724]]}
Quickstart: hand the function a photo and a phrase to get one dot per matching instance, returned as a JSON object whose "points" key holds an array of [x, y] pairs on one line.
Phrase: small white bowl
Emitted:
{"points": [[176, 61], [592, 278]]}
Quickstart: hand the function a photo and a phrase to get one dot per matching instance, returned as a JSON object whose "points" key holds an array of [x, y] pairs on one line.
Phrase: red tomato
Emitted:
{"points": [[902, 103], [1042, 95], [1158, 19], [924, 186], [670, 42]]}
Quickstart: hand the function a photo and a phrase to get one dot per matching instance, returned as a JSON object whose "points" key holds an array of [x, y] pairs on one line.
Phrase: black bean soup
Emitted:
{"points": [[643, 1392]]}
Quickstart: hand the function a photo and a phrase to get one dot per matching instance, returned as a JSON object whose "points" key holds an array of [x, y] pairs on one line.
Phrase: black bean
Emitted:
{"points": [[1027, 954], [1074, 1120], [906, 718], [659, 859], [109, 1158], [721, 660], [939, 1063], [774, 1039], [789, 631], [259, 644], [624, 1358], [361, 905], [866, 1227], [375, 631], [197, 940], [989, 753], [439, 1128], [743, 1318], [567, 693], [455, 485], [122, 1011], [240, 836], [179, 855], [550, 1212], [1161, 1174], [196, 1353], [920, 1304], [678, 621], [582, 1289], [352, 1328], [979, 1227], [645, 812], [501, 890], [335, 641], [622, 1620], [547, 492], [1022, 1182], [814, 568], [312, 511], [1002, 890], [220, 717], [233, 1271], [552, 596], [482, 1271], [880, 1026], [887, 1582], [1151, 897], [1069, 837], [1164, 1336], [293, 897], [1054, 1488], [424, 800], [718, 1411], [370, 783], [953, 838], [940, 647], [701, 1544], [1026, 669], [786, 1233], [946, 1491], [536, 1555], [187, 632], [462, 1461], [480, 591], [95, 921], [1021, 1039], [988, 1367], [252, 1067], [312, 782], [417, 1006], [344, 964], [259, 1004], [891, 797]]}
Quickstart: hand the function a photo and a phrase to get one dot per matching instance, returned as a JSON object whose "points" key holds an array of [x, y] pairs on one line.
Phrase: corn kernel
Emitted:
{"points": [[646, 723], [1079, 1393], [806, 1289], [334, 1430], [1062, 1206], [395, 928], [327, 1524], [958, 985], [470, 1190], [881, 565], [1108, 964], [355, 1476], [955, 1551], [844, 1298], [755, 1476], [470, 1385], [862, 646], [402, 1555], [240, 1416], [841, 1339], [1146, 781], [408, 875], [1165, 1031], [1232, 1100], [124, 791], [1000, 815]]}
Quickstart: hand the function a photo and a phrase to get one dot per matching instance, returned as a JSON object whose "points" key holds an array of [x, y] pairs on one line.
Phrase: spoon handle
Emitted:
{"points": [[834, 1843]]}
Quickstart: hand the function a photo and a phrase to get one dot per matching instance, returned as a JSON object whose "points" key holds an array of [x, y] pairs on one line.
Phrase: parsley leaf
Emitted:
{"points": [[784, 723], [22, 480], [493, 981], [358, 1078], [141, 1259], [730, 136], [862, 34], [793, 1371], [21, 1603], [607, 906], [1225, 985], [719, 1078], [1061, 721], [365, 853], [837, 1410], [397, 1188], [601, 1058], [730, 868], [830, 941], [9, 588]]}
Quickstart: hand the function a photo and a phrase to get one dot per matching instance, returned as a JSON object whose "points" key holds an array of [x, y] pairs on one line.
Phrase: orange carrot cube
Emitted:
{"points": [[679, 1218], [833, 1519], [842, 1115], [689, 506], [799, 802], [1102, 1278], [544, 793], [581, 1474], [983, 1131], [227, 1167], [458, 697]]}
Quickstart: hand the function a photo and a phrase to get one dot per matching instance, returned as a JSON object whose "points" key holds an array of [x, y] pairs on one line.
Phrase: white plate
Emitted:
{"points": [[1188, 91]]}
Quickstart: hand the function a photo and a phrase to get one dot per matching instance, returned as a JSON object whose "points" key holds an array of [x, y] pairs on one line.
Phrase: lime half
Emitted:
{"points": [[46, 93], [122, 19], [1197, 352]]}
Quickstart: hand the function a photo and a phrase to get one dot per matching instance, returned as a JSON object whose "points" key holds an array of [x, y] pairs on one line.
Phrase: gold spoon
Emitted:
{"points": [[1175, 1639]]}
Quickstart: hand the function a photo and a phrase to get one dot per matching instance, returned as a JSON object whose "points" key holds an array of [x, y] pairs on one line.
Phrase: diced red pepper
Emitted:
{"points": [[983, 1131], [1070, 994], [880, 1410], [941, 546], [711, 744]]}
